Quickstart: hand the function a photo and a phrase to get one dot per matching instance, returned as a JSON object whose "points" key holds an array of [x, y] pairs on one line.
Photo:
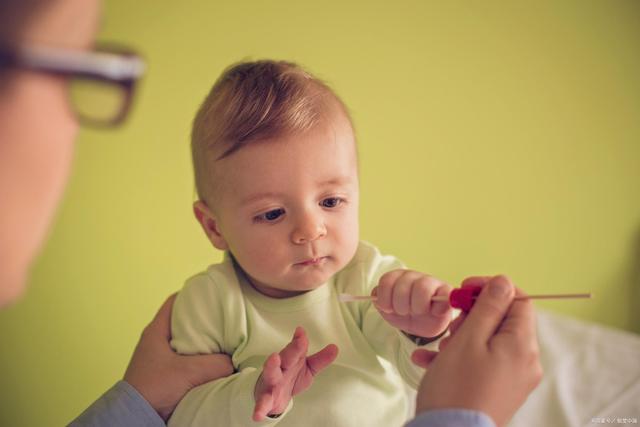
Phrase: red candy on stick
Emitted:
{"points": [[463, 298]]}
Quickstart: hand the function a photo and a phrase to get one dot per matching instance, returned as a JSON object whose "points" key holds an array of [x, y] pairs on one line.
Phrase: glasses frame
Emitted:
{"points": [[116, 66]]}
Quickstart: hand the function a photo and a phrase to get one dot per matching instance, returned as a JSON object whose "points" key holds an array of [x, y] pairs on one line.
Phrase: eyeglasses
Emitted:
{"points": [[101, 82]]}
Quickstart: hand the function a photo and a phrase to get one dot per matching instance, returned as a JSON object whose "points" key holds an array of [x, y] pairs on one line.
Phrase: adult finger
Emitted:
{"points": [[520, 319], [475, 281], [444, 342], [207, 367], [320, 360], [162, 320], [517, 337], [457, 322], [423, 358], [489, 310]]}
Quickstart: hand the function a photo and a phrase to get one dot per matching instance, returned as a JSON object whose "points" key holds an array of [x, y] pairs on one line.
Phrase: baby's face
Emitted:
{"points": [[288, 208]]}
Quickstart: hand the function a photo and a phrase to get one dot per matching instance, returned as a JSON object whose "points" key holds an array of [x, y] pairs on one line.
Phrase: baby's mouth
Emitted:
{"points": [[312, 261]]}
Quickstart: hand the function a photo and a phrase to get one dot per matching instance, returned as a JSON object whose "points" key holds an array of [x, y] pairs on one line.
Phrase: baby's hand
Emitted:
{"points": [[404, 300], [288, 373]]}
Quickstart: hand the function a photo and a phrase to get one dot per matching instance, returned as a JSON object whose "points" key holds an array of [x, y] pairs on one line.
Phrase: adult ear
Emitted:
{"points": [[209, 224]]}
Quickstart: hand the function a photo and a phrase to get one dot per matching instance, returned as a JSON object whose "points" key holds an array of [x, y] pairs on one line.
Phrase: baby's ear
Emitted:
{"points": [[209, 224]]}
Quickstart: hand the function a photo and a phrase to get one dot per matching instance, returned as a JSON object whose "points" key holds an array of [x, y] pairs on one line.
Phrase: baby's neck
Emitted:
{"points": [[265, 289]]}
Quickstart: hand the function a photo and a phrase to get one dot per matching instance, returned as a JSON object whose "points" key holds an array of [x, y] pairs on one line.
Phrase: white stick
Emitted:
{"points": [[353, 298]]}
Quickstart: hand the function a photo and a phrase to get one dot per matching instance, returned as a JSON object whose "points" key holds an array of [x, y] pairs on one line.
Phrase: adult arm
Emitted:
{"points": [[451, 418], [155, 381], [121, 405]]}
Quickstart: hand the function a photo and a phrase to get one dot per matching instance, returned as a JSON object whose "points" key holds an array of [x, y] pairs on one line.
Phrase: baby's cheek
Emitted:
{"points": [[347, 243], [252, 258], [264, 260]]}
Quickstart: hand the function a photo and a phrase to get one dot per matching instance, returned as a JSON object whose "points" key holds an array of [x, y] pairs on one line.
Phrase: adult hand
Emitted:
{"points": [[162, 376], [491, 362]]}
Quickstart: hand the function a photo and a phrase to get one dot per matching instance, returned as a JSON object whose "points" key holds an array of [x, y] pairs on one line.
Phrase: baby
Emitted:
{"points": [[276, 172]]}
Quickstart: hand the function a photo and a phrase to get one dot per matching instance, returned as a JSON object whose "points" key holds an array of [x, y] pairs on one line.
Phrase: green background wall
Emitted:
{"points": [[494, 137]]}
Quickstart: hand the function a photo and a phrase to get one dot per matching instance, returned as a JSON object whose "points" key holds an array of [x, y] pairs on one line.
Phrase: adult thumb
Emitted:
{"points": [[489, 310], [209, 367]]}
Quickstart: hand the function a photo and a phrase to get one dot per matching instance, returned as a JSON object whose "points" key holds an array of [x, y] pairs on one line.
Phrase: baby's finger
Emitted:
{"points": [[401, 297], [423, 358], [264, 404], [421, 294], [271, 371], [441, 308], [384, 290], [295, 350], [320, 360]]}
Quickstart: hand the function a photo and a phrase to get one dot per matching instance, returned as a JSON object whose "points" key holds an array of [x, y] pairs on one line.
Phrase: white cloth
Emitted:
{"points": [[591, 376]]}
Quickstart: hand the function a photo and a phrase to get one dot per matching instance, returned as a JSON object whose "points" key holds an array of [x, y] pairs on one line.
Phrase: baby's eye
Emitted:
{"points": [[271, 215], [331, 202]]}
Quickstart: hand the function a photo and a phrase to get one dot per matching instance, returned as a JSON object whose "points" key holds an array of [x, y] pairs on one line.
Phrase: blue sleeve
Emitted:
{"points": [[121, 406], [451, 418]]}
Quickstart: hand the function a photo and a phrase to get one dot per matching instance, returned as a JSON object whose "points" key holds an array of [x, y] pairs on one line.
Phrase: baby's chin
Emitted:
{"points": [[305, 286], [297, 279], [301, 284], [288, 290]]}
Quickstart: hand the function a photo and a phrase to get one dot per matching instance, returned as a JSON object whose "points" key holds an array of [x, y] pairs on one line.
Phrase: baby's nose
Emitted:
{"points": [[310, 228]]}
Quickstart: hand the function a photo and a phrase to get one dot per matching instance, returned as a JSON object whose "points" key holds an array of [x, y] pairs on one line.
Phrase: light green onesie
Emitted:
{"points": [[219, 311]]}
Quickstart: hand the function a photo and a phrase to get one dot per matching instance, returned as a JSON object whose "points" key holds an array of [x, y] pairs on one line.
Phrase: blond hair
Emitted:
{"points": [[251, 102]]}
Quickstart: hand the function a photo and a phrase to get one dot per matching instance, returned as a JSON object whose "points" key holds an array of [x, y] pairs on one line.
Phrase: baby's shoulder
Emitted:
{"points": [[217, 282], [365, 268], [369, 259]]}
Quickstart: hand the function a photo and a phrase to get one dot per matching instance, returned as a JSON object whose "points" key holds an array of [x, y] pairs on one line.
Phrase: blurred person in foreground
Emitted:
{"points": [[487, 367]]}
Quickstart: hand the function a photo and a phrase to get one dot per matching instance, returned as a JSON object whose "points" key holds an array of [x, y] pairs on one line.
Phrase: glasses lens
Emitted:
{"points": [[96, 101]]}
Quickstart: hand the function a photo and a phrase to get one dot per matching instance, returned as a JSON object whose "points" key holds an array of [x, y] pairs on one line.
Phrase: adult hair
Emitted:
{"points": [[254, 102], [15, 17]]}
